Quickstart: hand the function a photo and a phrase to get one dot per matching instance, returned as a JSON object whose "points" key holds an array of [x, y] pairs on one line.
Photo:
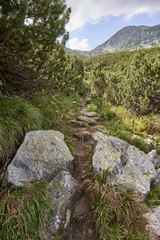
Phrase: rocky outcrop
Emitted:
{"points": [[41, 156], [129, 166], [153, 223], [63, 192]]}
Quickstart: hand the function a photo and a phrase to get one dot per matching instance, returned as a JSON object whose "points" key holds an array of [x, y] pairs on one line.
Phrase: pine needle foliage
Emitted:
{"points": [[28, 37], [134, 84], [22, 211]]}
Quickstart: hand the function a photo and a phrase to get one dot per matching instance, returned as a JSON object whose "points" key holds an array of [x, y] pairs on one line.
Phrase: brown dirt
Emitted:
{"points": [[82, 226]]}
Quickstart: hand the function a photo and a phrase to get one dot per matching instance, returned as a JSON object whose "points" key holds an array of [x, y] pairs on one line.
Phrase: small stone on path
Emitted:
{"points": [[87, 120], [77, 123], [91, 114], [86, 135]]}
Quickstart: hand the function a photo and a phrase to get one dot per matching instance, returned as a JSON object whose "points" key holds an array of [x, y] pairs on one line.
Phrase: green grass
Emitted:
{"points": [[135, 232], [153, 198], [16, 118], [22, 211], [116, 210], [121, 123], [57, 111]]}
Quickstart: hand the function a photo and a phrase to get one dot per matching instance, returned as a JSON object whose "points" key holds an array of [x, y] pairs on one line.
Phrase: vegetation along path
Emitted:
{"points": [[82, 225]]}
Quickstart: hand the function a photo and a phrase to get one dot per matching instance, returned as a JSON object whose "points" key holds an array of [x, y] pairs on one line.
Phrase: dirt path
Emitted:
{"points": [[82, 225]]}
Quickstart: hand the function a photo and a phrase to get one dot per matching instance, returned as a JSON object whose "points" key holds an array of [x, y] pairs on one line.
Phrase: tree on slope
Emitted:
{"points": [[28, 36]]}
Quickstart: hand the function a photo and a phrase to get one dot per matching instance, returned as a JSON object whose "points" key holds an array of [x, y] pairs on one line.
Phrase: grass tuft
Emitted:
{"points": [[113, 205], [16, 118], [153, 198], [22, 211], [122, 124]]}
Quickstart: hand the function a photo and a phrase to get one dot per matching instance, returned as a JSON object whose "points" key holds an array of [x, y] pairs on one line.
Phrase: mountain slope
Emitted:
{"points": [[130, 38], [78, 53]]}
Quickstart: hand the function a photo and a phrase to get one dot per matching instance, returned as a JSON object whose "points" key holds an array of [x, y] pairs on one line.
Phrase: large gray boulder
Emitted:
{"points": [[153, 223], [63, 192], [129, 166], [41, 156]]}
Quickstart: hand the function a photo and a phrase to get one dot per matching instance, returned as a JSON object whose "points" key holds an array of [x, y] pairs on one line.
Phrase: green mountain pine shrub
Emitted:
{"points": [[136, 86]]}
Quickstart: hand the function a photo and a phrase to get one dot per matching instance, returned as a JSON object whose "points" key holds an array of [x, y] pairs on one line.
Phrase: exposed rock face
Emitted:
{"points": [[130, 167], [41, 156], [153, 226], [63, 192]]}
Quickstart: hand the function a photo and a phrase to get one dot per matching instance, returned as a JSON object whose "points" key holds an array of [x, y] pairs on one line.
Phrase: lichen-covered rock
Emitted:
{"points": [[41, 156], [129, 166], [155, 158], [63, 192], [153, 223]]}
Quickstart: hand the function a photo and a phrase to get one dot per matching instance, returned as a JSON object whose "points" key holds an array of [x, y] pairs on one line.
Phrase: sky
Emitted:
{"points": [[92, 22]]}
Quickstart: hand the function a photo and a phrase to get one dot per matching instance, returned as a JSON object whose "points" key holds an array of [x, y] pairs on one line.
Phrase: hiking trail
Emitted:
{"points": [[82, 226]]}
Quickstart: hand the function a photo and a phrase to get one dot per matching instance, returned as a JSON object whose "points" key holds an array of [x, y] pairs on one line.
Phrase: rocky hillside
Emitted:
{"points": [[128, 38]]}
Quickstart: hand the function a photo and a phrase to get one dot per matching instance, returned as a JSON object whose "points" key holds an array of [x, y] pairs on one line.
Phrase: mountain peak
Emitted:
{"points": [[130, 38]]}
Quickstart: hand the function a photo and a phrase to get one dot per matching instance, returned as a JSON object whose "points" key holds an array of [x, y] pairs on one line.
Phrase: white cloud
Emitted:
{"points": [[93, 10], [82, 45]]}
